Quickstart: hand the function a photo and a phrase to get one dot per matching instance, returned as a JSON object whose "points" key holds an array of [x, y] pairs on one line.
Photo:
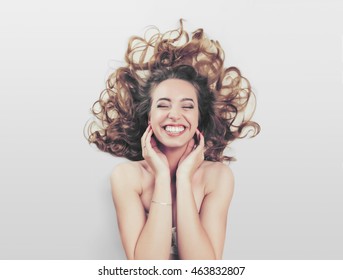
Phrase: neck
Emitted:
{"points": [[173, 156]]}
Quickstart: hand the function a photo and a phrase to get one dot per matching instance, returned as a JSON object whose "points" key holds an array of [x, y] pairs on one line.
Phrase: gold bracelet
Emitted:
{"points": [[161, 203]]}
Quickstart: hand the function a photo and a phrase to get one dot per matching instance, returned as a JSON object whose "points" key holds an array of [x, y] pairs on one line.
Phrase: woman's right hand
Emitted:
{"points": [[152, 154]]}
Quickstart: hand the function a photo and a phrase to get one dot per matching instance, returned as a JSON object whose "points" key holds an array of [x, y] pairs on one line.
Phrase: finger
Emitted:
{"points": [[201, 144], [148, 139], [201, 138], [190, 146], [143, 138], [189, 149], [153, 142], [144, 135]]}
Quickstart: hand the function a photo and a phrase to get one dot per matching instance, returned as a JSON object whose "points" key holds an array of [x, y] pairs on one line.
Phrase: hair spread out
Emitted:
{"points": [[226, 102]]}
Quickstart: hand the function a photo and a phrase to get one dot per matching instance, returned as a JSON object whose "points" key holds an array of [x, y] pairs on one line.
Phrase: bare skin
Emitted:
{"points": [[174, 185]]}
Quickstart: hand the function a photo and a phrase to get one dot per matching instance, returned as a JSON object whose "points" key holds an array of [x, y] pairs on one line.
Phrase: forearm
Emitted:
{"points": [[155, 239], [193, 242]]}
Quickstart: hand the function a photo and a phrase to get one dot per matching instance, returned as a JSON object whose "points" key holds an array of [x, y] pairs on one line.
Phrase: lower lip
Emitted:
{"points": [[174, 134]]}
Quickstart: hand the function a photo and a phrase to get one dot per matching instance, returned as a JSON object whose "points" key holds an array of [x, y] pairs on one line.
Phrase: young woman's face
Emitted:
{"points": [[174, 112]]}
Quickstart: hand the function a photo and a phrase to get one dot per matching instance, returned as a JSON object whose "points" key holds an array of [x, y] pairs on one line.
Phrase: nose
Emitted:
{"points": [[174, 114]]}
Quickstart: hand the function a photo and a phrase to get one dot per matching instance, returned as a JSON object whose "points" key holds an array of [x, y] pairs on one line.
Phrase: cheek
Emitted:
{"points": [[155, 119], [192, 118], [196, 119]]}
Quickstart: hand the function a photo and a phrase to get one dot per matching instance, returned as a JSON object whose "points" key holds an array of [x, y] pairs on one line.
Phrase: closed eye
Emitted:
{"points": [[187, 105]]}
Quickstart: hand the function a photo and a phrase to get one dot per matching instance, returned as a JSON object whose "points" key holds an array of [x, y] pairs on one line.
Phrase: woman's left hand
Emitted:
{"points": [[192, 158]]}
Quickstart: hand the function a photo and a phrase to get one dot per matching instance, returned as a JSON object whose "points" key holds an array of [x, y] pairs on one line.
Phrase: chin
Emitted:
{"points": [[173, 143]]}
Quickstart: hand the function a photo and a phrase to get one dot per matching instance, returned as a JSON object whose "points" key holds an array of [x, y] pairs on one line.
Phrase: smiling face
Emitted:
{"points": [[174, 112]]}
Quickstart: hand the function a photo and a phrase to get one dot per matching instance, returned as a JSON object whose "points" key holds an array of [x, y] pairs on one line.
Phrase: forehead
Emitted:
{"points": [[174, 89]]}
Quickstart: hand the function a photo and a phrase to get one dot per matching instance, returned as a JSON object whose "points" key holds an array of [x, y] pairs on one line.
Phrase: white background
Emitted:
{"points": [[55, 199]]}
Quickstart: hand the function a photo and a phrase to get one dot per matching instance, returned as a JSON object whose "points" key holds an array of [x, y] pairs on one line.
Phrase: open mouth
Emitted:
{"points": [[174, 129]]}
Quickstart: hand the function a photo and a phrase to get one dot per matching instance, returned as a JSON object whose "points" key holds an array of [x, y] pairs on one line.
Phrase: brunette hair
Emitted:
{"points": [[226, 102]]}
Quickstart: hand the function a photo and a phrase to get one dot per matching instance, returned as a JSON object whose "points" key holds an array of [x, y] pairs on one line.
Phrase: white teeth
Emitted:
{"points": [[174, 129]]}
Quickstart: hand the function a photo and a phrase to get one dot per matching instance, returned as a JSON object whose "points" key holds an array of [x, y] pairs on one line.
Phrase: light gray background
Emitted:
{"points": [[55, 199]]}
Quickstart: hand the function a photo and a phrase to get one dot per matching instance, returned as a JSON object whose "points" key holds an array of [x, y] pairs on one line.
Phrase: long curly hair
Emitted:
{"points": [[226, 102]]}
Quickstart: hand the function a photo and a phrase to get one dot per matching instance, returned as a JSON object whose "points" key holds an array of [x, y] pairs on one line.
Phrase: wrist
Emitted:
{"points": [[182, 176], [162, 178], [183, 181]]}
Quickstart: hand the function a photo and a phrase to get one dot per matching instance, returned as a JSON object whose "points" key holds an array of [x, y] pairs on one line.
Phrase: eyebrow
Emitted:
{"points": [[169, 100]]}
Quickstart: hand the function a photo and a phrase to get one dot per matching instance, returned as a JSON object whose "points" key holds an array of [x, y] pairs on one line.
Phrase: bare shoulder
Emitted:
{"points": [[220, 169], [126, 176], [218, 177]]}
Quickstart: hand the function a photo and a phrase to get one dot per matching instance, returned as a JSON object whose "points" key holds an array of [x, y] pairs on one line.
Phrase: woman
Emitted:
{"points": [[172, 111]]}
